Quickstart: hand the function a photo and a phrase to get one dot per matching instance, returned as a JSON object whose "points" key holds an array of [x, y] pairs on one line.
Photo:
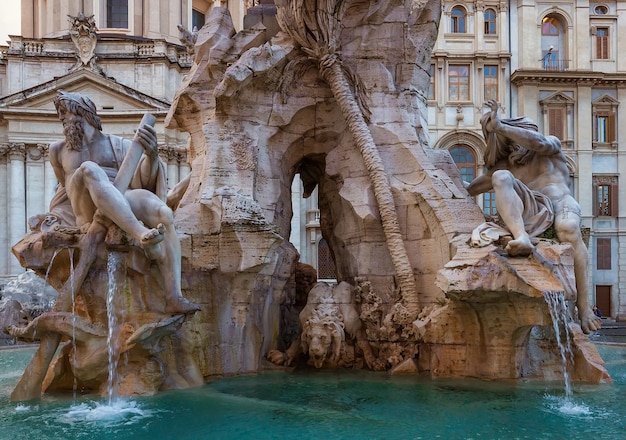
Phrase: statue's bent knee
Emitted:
{"points": [[502, 178], [91, 170]]}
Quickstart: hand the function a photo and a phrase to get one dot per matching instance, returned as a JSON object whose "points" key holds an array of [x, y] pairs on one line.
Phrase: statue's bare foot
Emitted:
{"points": [[522, 247], [181, 306], [153, 236], [589, 322]]}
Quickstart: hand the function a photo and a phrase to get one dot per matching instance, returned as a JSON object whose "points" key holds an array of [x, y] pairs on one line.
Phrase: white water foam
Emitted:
{"points": [[119, 412], [568, 407]]}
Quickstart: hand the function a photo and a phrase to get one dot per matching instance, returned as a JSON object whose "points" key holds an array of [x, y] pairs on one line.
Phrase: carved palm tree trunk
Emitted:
{"points": [[315, 25]]}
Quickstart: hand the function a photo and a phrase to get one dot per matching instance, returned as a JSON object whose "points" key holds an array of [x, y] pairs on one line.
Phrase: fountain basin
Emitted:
{"points": [[327, 404]]}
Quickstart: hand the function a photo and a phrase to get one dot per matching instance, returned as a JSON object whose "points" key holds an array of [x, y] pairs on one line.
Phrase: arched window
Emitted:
{"points": [[458, 20], [325, 262], [553, 44], [117, 14], [465, 161], [490, 22]]}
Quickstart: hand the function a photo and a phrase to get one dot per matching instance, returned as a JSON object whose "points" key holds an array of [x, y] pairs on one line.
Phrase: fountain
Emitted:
{"points": [[415, 298]]}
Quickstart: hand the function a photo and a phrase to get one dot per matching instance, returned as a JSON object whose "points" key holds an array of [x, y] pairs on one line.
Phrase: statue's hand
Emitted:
{"points": [[146, 137], [493, 122]]}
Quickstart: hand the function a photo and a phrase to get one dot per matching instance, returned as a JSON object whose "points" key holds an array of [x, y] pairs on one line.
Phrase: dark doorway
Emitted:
{"points": [[603, 299]]}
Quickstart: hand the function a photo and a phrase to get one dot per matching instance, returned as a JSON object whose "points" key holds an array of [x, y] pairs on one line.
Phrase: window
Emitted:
{"points": [[491, 82], [605, 192], [325, 261], [603, 253], [489, 203], [604, 114], [458, 20], [117, 14], [601, 43], [490, 22], [601, 10], [197, 19], [556, 122], [550, 26], [465, 162], [604, 127], [458, 81], [431, 86], [557, 117], [553, 44]]}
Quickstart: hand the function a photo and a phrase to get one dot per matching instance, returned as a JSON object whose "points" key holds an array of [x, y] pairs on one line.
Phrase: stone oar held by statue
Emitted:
{"points": [[29, 385]]}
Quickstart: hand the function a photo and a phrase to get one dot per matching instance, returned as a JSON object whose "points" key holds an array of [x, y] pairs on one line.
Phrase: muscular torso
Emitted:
{"points": [[66, 161], [546, 174]]}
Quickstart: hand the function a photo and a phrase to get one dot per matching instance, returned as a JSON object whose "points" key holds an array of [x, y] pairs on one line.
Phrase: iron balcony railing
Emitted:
{"points": [[555, 65]]}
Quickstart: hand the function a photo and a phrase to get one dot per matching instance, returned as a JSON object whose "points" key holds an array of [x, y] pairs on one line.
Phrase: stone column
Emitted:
{"points": [[17, 200], [35, 181], [172, 168], [5, 248], [166, 156], [183, 166], [50, 179]]}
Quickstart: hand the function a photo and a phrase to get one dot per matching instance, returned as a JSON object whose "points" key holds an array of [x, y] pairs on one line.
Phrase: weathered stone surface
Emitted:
{"points": [[497, 324]]}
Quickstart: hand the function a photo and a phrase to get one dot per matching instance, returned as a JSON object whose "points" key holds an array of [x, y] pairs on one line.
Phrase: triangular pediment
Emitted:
{"points": [[557, 98], [108, 95], [606, 100]]}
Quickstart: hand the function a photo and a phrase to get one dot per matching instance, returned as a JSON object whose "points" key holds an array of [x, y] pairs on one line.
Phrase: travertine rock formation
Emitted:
{"points": [[261, 109], [258, 115]]}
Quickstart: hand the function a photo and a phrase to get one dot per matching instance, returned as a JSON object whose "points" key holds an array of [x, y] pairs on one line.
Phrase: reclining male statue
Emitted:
{"points": [[88, 164], [529, 175]]}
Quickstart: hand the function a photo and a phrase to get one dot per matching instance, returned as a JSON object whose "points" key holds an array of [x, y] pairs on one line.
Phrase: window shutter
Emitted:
{"points": [[611, 132], [596, 208], [555, 122], [613, 197]]}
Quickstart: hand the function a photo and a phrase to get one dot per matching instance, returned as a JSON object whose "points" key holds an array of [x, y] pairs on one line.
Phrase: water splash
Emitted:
{"points": [[116, 283], [120, 412], [560, 320]]}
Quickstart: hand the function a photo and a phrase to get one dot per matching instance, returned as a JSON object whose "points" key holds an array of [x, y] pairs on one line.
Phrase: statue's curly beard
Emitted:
{"points": [[74, 134]]}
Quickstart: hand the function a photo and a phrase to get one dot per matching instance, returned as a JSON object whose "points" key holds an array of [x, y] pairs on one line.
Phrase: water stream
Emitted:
{"points": [[116, 273], [560, 322]]}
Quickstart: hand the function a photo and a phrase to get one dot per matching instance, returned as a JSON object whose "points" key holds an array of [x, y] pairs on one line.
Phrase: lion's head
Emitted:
{"points": [[323, 335]]}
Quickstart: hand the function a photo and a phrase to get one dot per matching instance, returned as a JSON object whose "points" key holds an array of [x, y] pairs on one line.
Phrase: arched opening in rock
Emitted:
{"points": [[306, 231]]}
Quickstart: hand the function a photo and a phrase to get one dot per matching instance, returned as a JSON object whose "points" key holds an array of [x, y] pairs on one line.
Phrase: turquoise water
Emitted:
{"points": [[328, 405]]}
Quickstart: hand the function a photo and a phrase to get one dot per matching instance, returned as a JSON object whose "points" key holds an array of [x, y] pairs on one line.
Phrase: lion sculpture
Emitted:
{"points": [[329, 315]]}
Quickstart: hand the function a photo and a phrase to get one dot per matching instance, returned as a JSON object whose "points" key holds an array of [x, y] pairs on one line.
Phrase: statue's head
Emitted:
{"points": [[79, 105]]}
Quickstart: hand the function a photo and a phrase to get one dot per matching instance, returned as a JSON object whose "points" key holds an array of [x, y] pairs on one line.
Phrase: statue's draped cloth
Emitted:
{"points": [[538, 216]]}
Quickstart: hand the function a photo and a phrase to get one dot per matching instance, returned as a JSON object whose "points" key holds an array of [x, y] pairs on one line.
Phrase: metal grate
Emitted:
{"points": [[325, 262]]}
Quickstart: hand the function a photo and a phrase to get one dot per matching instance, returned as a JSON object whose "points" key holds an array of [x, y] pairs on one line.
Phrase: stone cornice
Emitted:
{"points": [[574, 77]]}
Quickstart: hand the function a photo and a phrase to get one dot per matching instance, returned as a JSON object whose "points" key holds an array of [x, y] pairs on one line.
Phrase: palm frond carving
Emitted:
{"points": [[315, 25]]}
